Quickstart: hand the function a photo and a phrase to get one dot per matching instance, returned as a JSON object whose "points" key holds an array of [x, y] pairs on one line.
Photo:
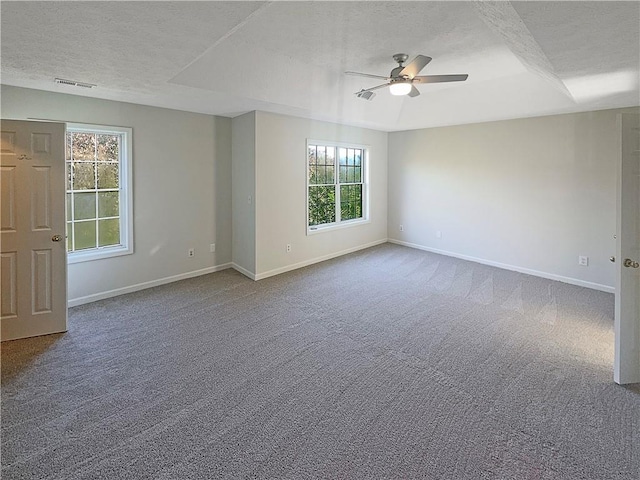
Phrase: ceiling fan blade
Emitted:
{"points": [[414, 92], [358, 74], [414, 67], [440, 78], [373, 88]]}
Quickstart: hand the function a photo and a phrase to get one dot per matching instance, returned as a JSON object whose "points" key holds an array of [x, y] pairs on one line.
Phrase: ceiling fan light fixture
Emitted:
{"points": [[401, 80], [400, 88]]}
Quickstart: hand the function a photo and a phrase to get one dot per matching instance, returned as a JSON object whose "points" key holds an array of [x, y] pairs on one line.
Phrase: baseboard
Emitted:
{"points": [[204, 271], [514, 268], [74, 302], [243, 271], [306, 263]]}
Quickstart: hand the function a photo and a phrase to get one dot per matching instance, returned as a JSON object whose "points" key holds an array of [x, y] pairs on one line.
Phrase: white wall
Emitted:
{"points": [[181, 182], [281, 163], [244, 192], [529, 194]]}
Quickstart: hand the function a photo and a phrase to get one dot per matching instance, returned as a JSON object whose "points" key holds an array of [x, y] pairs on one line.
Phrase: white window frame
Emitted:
{"points": [[338, 224], [125, 184]]}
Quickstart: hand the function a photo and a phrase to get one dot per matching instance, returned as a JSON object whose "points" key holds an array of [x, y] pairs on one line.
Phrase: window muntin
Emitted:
{"points": [[336, 187], [98, 165]]}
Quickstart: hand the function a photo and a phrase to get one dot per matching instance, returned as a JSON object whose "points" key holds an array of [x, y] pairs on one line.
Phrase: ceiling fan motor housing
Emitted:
{"points": [[400, 58], [395, 74]]}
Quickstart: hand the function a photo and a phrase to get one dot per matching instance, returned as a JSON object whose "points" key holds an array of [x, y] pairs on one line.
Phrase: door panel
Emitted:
{"points": [[627, 320], [41, 283], [9, 272], [8, 186], [33, 276], [40, 195]]}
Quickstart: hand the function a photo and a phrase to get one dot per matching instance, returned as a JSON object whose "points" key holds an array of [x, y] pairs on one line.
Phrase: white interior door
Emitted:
{"points": [[33, 267], [627, 320]]}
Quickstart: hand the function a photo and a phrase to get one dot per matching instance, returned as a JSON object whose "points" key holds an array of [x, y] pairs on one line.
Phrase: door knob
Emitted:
{"points": [[612, 258], [630, 263], [56, 238]]}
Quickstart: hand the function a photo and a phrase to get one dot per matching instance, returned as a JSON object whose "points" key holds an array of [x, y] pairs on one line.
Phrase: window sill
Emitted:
{"points": [[97, 254], [335, 226]]}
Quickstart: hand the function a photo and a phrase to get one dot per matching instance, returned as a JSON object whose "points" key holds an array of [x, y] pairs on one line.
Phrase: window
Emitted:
{"points": [[98, 167], [336, 185]]}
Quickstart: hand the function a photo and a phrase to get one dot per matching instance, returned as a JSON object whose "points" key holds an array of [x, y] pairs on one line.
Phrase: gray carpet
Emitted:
{"points": [[387, 363]]}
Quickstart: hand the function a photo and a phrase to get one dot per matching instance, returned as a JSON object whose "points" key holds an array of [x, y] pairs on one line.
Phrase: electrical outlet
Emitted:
{"points": [[212, 247], [191, 252], [402, 228], [438, 234], [288, 247], [584, 261]]}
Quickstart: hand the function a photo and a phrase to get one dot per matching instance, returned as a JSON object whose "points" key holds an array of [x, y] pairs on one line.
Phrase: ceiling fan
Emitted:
{"points": [[402, 78]]}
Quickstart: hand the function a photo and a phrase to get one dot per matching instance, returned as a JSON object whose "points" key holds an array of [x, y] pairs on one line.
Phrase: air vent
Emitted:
{"points": [[73, 83]]}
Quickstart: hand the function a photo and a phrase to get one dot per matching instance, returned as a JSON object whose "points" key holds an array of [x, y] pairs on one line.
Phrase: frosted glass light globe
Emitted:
{"points": [[400, 88]]}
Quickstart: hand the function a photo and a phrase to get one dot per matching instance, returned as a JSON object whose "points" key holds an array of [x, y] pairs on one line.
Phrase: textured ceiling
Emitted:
{"points": [[226, 58]]}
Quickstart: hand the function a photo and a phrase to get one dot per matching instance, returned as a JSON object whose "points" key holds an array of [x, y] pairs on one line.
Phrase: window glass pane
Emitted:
{"points": [[331, 155], [84, 205], [313, 165], [342, 155], [107, 146], [108, 175], [83, 146], [67, 148], [358, 174], [350, 202], [343, 174], [69, 173], [108, 232], [312, 155], [322, 205], [85, 235], [108, 204], [84, 176], [358, 157], [342, 160], [69, 200], [69, 232], [330, 175], [346, 160]]}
